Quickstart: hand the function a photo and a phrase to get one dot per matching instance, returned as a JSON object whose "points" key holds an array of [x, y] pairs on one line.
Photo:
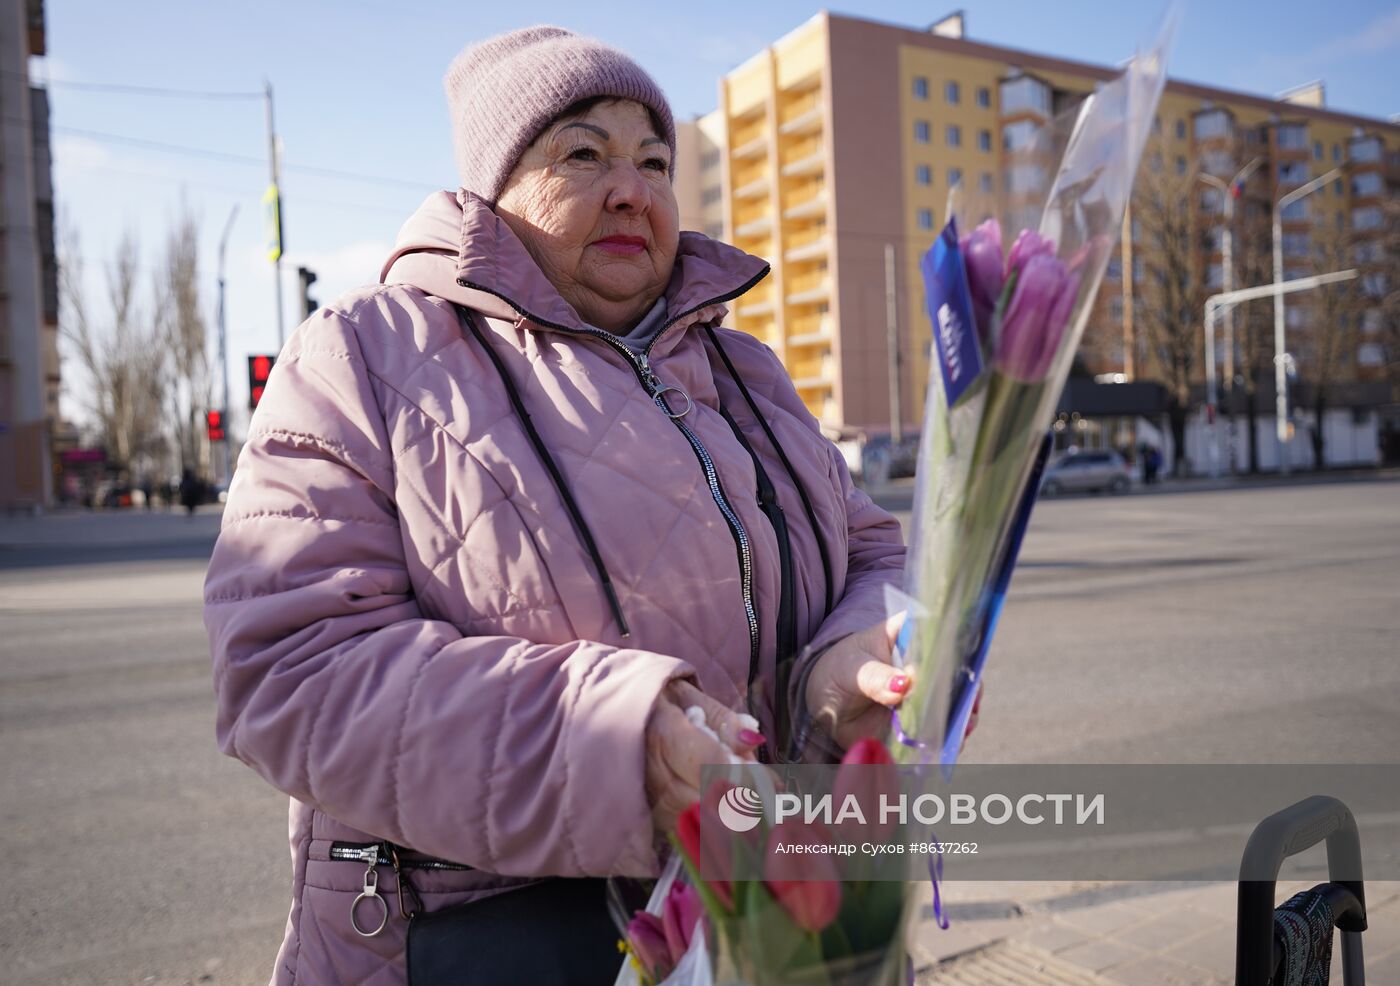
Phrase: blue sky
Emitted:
{"points": [[358, 89]]}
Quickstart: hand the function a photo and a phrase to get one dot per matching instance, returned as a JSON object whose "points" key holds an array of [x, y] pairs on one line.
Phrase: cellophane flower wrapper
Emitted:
{"points": [[991, 400]]}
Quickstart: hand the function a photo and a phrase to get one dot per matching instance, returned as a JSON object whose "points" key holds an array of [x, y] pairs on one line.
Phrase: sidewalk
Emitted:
{"points": [[1117, 934]]}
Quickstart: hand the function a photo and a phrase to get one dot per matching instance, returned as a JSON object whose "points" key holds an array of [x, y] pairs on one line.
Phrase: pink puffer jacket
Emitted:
{"points": [[410, 633]]}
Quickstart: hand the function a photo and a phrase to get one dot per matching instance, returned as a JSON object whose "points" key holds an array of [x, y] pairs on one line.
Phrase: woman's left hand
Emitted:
{"points": [[854, 685]]}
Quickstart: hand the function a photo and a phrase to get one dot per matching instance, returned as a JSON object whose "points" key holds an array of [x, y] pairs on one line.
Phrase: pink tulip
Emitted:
{"points": [[647, 939], [1028, 244], [1035, 319], [814, 900], [867, 772], [680, 913], [982, 258]]}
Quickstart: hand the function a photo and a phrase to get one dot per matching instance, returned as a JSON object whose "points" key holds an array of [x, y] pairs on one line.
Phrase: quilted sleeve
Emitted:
{"points": [[507, 755]]}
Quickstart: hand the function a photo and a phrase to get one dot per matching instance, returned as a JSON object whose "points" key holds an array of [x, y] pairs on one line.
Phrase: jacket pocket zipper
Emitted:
{"points": [[363, 852]]}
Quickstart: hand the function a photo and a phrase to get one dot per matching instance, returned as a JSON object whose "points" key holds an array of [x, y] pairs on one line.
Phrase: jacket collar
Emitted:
{"points": [[488, 269]]}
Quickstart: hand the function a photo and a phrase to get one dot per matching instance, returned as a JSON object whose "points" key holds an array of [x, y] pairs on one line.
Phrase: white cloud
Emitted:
{"points": [[75, 155]]}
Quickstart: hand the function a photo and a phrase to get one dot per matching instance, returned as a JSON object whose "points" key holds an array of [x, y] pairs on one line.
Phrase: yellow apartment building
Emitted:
{"points": [[840, 141]]}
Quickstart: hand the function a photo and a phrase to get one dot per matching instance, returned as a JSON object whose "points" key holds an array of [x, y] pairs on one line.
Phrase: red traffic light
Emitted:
{"points": [[259, 369], [214, 425]]}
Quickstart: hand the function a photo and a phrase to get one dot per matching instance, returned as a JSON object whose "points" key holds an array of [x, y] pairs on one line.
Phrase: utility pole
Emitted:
{"points": [[892, 340], [274, 201], [1280, 356], [1229, 191], [223, 343]]}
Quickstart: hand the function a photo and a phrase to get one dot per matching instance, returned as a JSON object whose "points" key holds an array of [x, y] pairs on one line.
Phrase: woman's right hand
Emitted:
{"points": [[676, 749]]}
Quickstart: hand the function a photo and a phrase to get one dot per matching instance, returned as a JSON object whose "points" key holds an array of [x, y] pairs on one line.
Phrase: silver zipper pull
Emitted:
{"points": [[656, 388], [370, 895]]}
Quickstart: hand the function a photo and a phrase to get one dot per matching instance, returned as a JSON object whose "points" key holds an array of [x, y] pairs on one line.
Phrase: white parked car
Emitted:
{"points": [[1087, 470]]}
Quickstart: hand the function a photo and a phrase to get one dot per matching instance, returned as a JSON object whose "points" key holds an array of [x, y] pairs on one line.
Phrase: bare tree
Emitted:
{"points": [[1172, 291], [1329, 350], [122, 357], [181, 327]]}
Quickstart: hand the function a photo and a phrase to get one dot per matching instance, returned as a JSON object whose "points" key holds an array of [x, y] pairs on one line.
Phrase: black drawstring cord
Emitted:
{"points": [[792, 473], [579, 523]]}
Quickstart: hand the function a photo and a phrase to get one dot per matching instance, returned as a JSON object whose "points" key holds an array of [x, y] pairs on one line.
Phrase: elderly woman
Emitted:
{"points": [[501, 519]]}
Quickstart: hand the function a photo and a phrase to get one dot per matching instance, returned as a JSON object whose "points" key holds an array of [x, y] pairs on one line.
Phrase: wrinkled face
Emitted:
{"points": [[592, 201]]}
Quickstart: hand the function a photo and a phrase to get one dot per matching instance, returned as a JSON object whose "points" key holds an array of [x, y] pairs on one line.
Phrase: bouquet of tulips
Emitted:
{"points": [[753, 908], [1006, 321]]}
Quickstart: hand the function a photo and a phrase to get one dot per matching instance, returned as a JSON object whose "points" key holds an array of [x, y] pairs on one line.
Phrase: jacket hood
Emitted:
{"points": [[455, 247]]}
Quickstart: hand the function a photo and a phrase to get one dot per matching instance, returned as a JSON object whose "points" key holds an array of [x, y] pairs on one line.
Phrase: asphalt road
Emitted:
{"points": [[1247, 625]]}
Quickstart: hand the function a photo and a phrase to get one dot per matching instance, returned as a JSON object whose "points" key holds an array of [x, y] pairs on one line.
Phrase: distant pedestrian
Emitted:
{"points": [[1151, 462], [148, 493], [189, 491]]}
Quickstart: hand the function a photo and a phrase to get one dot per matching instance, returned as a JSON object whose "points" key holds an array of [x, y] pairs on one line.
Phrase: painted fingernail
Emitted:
{"points": [[899, 684], [750, 737]]}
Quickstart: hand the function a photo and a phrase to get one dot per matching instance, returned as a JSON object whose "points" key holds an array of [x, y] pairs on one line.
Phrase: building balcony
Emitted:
{"points": [[755, 309], [808, 122], [755, 189], [808, 208], [809, 291], [814, 249], [813, 383], [761, 226], [755, 147], [811, 164]]}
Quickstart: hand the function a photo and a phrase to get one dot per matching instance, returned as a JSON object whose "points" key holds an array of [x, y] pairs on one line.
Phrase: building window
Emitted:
{"points": [[1295, 211], [1295, 244], [954, 176], [1336, 153], [950, 92], [923, 174], [1215, 276], [1366, 149], [1114, 271], [1370, 354], [984, 140], [984, 97], [1211, 199], [1215, 123], [1180, 129], [1292, 136], [984, 183], [1025, 94], [1369, 183], [1369, 252], [921, 131], [1217, 162], [1373, 284], [711, 195], [1337, 188], [954, 135], [920, 87], [1294, 172], [1367, 218], [1317, 149], [1180, 165], [1015, 136], [926, 219], [1156, 124]]}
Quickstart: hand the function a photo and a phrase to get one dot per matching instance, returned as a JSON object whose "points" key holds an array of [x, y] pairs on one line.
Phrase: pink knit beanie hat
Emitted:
{"points": [[504, 91]]}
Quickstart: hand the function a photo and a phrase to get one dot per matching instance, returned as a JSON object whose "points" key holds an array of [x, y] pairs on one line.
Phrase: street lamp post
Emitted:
{"points": [[1280, 359], [223, 344], [1227, 247]]}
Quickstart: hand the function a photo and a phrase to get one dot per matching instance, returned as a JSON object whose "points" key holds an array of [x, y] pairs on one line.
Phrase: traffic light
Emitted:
{"points": [[307, 278], [214, 425], [259, 368]]}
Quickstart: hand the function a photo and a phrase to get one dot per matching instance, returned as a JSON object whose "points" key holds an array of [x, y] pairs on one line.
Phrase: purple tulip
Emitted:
{"points": [[647, 939], [982, 257], [1028, 244], [680, 913], [1035, 319]]}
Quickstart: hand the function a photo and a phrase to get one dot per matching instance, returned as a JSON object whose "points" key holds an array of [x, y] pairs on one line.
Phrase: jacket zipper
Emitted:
{"points": [[641, 365], [379, 854]]}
